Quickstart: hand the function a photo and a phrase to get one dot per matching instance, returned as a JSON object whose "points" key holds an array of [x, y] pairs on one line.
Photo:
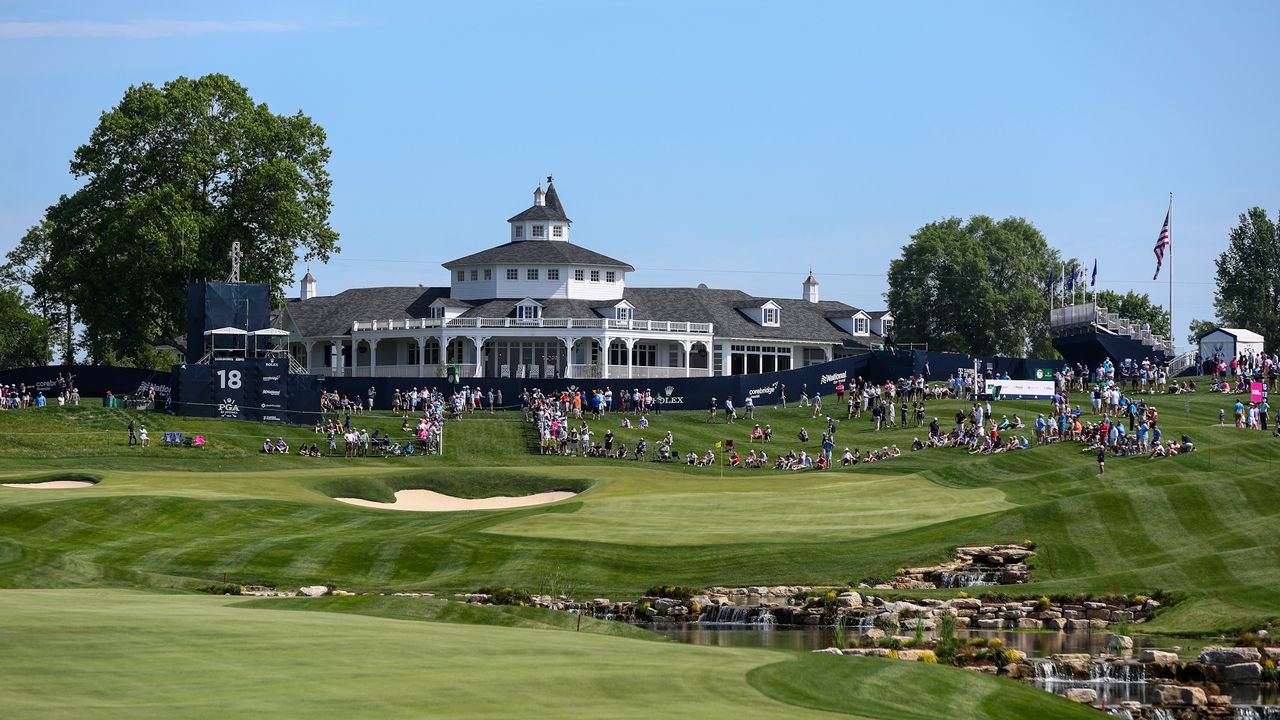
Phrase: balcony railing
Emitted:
{"points": [[663, 326]]}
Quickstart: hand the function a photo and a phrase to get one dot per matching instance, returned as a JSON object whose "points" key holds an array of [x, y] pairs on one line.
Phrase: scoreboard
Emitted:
{"points": [[249, 388]]}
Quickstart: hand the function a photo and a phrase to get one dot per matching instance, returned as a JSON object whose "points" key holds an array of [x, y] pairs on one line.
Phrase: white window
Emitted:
{"points": [[595, 276], [519, 231], [436, 312], [462, 275], [771, 316], [528, 311], [611, 276], [488, 274], [888, 324], [475, 275], [557, 231], [553, 274], [860, 326], [531, 274], [513, 274], [538, 231], [578, 275], [624, 313]]}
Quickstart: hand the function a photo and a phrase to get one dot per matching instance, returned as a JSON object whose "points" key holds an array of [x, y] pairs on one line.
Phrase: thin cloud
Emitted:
{"points": [[143, 29]]}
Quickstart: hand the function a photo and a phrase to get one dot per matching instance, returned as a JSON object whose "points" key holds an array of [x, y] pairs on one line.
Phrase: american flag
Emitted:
{"points": [[1162, 242]]}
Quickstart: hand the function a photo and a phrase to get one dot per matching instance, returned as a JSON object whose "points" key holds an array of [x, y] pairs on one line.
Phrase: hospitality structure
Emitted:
{"points": [[540, 306]]}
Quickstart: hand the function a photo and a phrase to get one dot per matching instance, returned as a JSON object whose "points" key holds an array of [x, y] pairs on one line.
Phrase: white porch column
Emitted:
{"points": [[373, 357], [479, 342], [308, 345], [605, 342], [355, 354], [568, 355], [688, 356], [422, 359], [631, 359]]}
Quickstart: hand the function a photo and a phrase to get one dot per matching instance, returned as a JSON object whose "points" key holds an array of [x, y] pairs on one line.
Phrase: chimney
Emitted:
{"points": [[539, 197]]}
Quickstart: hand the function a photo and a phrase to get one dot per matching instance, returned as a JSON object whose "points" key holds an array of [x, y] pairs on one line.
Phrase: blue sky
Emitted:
{"points": [[731, 143]]}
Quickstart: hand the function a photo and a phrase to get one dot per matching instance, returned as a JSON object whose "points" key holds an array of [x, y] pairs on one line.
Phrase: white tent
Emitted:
{"points": [[1229, 342]]}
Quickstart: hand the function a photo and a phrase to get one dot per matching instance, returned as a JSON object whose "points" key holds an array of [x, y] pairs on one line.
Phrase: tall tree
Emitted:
{"points": [[173, 176], [1248, 293], [24, 340], [974, 286], [24, 267], [1137, 307], [1197, 329]]}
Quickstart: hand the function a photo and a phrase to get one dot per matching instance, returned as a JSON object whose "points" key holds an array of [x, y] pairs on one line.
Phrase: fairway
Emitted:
{"points": [[655, 508], [109, 654], [160, 521]]}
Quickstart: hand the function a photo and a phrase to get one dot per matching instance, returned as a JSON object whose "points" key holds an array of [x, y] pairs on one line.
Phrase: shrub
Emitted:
{"points": [[1042, 603], [221, 589], [995, 642], [506, 596], [962, 594], [1029, 544], [1013, 655], [927, 656], [893, 655], [674, 592], [978, 641]]}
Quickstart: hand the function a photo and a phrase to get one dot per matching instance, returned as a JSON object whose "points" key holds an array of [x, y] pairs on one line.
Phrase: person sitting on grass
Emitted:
{"points": [[735, 460], [644, 422], [302, 450], [917, 445], [847, 458], [822, 463], [315, 450], [756, 433], [282, 447], [626, 423], [267, 447], [691, 458], [768, 433], [664, 450], [803, 435]]}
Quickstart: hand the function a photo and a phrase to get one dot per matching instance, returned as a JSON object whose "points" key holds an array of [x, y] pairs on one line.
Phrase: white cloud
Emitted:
{"points": [[142, 29]]}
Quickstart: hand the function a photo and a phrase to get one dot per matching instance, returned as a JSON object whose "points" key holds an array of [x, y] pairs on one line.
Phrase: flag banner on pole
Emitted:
{"points": [[1071, 280], [1162, 242], [1048, 286], [1080, 276], [1094, 282]]}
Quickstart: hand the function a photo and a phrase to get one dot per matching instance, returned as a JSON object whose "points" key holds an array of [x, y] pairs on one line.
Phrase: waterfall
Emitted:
{"points": [[966, 578], [765, 618], [1244, 712], [726, 615], [1046, 671], [1120, 713], [1158, 713], [1102, 672]]}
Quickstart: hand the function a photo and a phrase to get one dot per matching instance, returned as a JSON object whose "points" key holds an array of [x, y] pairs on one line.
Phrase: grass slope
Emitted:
{"points": [[105, 654], [1201, 526]]}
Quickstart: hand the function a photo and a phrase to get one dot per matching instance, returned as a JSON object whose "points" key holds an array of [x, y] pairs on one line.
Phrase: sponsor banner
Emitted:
{"points": [[226, 387], [1020, 389], [91, 380]]}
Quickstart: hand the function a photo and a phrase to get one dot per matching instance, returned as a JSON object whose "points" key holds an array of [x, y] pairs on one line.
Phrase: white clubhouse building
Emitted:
{"points": [[540, 306]]}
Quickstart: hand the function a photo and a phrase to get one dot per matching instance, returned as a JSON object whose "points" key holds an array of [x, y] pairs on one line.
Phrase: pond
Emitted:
{"points": [[1114, 686]]}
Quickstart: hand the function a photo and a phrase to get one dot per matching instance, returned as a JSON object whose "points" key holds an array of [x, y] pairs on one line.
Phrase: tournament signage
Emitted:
{"points": [[1020, 389], [271, 385], [226, 387]]}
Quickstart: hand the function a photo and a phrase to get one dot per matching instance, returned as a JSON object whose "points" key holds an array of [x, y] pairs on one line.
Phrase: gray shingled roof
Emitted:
{"points": [[799, 320], [545, 252], [552, 210]]}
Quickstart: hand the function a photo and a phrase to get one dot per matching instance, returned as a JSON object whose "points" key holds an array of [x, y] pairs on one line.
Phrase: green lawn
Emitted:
{"points": [[110, 654], [1202, 527]]}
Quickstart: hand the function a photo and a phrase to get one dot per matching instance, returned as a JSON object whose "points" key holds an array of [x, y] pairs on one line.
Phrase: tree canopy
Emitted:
{"points": [[173, 176], [975, 286], [1137, 307], [24, 336], [1248, 276]]}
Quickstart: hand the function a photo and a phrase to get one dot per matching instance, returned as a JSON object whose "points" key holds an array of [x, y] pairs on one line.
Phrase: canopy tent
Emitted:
{"points": [[226, 331], [1227, 343]]}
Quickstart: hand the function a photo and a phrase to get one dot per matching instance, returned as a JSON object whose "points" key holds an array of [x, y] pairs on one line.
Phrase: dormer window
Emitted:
{"points": [[888, 324], [624, 313], [557, 231], [859, 326], [519, 231], [538, 231], [528, 310], [770, 316]]}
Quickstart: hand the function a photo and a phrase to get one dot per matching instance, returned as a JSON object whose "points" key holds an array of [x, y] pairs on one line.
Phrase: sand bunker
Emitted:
{"points": [[52, 485], [430, 501]]}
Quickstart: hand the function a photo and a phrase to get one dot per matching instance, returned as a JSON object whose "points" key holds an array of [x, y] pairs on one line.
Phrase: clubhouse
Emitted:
{"points": [[539, 306]]}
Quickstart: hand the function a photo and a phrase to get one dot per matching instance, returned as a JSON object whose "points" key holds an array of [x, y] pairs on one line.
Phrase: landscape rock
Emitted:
{"points": [[1179, 695], [313, 590], [1242, 673], [1230, 655], [1159, 657], [872, 634], [1088, 696]]}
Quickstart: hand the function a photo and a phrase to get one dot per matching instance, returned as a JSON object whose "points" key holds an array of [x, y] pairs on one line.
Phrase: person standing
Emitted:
{"points": [[1264, 409], [1102, 461], [133, 435], [782, 394]]}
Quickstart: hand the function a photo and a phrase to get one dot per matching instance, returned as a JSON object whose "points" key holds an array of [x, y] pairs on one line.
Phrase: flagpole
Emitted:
{"points": [[1172, 345]]}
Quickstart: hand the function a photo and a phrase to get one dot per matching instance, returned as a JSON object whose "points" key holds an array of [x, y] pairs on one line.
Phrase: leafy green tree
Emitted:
{"points": [[173, 176], [1199, 328], [23, 267], [1137, 307], [975, 286], [24, 336], [1248, 276]]}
